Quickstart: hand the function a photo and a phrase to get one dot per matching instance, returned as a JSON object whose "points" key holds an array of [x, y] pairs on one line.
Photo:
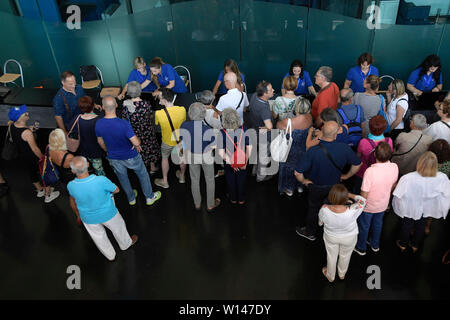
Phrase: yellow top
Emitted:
{"points": [[178, 116]]}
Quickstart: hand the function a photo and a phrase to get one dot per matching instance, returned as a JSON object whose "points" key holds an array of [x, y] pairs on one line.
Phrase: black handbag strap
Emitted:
{"points": [[446, 124], [401, 154], [64, 159], [329, 157], [171, 125], [240, 101], [66, 104]]}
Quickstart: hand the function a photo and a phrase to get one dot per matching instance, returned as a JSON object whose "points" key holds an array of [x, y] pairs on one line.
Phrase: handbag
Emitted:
{"points": [[47, 170], [381, 113], [9, 151], [72, 143], [281, 145]]}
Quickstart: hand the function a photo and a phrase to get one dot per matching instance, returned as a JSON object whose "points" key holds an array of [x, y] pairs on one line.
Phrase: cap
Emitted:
{"points": [[15, 112]]}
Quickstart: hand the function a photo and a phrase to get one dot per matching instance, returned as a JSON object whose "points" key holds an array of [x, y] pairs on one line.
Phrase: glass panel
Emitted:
{"points": [[272, 36], [25, 41], [444, 54], [147, 34], [144, 5], [204, 42], [398, 49], [335, 41], [423, 11], [89, 45]]}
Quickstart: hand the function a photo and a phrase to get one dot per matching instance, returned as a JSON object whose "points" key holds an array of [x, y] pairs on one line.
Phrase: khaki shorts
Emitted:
{"points": [[166, 150]]}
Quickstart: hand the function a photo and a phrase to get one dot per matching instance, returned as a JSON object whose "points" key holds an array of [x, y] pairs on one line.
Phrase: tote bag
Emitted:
{"points": [[280, 146]]}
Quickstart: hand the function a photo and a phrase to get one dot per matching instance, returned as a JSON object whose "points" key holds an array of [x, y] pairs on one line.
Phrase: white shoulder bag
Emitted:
{"points": [[280, 146]]}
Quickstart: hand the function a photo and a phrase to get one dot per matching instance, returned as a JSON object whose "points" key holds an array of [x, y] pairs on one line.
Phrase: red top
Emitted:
{"points": [[326, 98]]}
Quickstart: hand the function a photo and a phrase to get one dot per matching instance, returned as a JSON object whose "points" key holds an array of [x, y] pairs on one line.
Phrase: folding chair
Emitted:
{"points": [[11, 77], [187, 81], [89, 79], [381, 79]]}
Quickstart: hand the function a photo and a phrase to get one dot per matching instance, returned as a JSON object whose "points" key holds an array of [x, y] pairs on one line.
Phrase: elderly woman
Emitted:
{"points": [[28, 150], [420, 194], [370, 101], [89, 146], [366, 147], [212, 119], [358, 74], [60, 156], [283, 107], [141, 73], [140, 115], [340, 229], [235, 150], [198, 142], [441, 129], [397, 100], [287, 183]]}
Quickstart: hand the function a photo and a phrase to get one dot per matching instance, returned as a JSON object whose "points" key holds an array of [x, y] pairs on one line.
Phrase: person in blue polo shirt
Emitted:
{"points": [[319, 169], [427, 77], [304, 83], [165, 76], [65, 103], [141, 73], [356, 75], [229, 66]]}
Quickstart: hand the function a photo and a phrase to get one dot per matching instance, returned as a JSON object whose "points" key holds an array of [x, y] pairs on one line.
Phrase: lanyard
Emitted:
{"points": [[427, 79]]}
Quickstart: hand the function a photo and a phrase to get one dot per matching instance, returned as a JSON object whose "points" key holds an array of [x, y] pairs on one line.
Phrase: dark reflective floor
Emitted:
{"points": [[249, 252]]}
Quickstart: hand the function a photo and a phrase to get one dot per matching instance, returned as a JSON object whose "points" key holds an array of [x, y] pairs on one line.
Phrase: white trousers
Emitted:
{"points": [[338, 247], [100, 238]]}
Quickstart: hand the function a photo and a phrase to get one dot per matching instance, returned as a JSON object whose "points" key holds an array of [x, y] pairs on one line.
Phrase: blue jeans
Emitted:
{"points": [[120, 168], [365, 221]]}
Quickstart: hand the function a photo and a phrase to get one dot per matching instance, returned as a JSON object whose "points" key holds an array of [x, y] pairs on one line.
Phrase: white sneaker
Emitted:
{"points": [[52, 196], [299, 189], [41, 193]]}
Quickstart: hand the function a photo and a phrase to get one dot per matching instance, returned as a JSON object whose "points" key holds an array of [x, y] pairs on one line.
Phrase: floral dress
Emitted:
{"points": [[141, 117]]}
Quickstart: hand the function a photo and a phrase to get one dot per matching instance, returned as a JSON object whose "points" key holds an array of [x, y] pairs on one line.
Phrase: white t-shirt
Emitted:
{"points": [[438, 130], [231, 100], [392, 110], [341, 225], [416, 196]]}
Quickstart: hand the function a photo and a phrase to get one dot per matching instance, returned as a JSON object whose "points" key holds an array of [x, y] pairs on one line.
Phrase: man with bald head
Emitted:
{"points": [[319, 169], [92, 199], [117, 138], [234, 98]]}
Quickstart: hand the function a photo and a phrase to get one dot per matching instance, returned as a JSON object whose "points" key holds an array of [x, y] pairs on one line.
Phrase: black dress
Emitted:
{"points": [[29, 159]]}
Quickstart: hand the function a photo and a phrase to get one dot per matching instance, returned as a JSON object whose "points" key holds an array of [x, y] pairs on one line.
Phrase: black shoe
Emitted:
{"points": [[301, 231]]}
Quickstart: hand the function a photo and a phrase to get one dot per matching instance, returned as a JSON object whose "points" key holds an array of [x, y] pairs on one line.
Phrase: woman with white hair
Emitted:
{"points": [[198, 143], [59, 154], [235, 150], [141, 117], [419, 195]]}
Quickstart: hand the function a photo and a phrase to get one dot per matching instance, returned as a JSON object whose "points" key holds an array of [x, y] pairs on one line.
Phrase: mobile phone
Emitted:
{"points": [[36, 125]]}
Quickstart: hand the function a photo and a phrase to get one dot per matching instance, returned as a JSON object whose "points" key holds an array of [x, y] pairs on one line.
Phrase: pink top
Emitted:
{"points": [[365, 148], [377, 182]]}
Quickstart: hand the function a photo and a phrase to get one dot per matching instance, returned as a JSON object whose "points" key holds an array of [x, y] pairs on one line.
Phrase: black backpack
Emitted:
{"points": [[88, 73]]}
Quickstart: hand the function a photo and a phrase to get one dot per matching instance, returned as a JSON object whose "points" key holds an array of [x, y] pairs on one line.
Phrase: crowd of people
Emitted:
{"points": [[350, 150]]}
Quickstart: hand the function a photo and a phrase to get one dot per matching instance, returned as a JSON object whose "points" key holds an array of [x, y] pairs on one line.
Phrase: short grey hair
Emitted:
{"points": [[206, 97], [134, 89], [420, 122], [230, 119], [326, 72], [79, 165], [346, 94], [109, 103], [197, 111]]}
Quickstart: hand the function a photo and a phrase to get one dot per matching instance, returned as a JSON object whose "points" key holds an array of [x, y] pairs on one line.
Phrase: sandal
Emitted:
{"points": [[324, 272], [216, 204], [414, 249], [241, 203], [402, 249]]}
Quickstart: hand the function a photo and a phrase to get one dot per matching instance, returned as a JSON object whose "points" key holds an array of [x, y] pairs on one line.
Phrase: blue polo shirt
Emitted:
{"points": [[116, 133], [93, 198], [197, 136], [135, 75], [222, 89], [168, 74], [316, 166], [59, 106], [426, 83], [357, 77], [302, 83]]}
